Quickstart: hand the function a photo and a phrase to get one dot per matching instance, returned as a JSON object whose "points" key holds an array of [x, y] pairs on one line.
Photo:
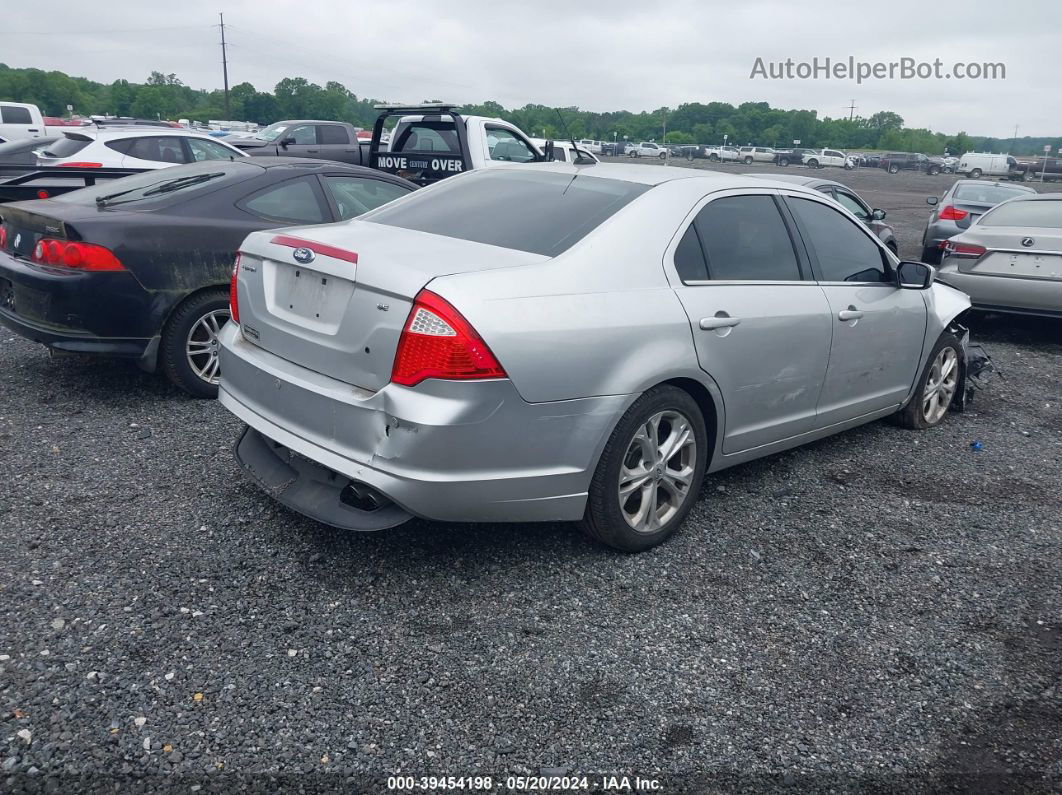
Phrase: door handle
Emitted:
{"points": [[719, 321], [851, 313]]}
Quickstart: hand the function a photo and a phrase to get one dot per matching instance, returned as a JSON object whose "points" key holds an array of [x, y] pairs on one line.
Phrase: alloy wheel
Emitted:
{"points": [[656, 476], [202, 346], [940, 385]]}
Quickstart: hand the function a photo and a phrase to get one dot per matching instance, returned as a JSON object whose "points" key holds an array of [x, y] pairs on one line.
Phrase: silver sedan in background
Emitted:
{"points": [[960, 206], [1011, 259], [549, 342]]}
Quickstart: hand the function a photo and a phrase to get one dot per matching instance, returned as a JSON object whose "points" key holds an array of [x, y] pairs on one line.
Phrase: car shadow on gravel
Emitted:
{"points": [[1040, 332], [95, 378]]}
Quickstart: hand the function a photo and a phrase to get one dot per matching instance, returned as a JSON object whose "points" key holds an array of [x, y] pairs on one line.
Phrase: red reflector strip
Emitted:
{"points": [[317, 248], [79, 164]]}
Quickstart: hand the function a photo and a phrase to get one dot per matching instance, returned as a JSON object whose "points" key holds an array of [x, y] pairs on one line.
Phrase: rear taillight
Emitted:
{"points": [[953, 249], [950, 213], [437, 342], [3, 237], [81, 164], [234, 298], [80, 256]]}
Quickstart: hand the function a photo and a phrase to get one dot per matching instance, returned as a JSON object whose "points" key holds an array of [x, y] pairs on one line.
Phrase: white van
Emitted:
{"points": [[18, 120], [978, 164]]}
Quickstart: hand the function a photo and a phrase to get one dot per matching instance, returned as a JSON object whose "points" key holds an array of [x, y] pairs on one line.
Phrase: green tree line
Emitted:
{"points": [[165, 96]]}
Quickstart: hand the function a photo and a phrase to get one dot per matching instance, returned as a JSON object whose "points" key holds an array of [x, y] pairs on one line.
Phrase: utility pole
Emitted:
{"points": [[851, 111], [224, 65], [1014, 145]]}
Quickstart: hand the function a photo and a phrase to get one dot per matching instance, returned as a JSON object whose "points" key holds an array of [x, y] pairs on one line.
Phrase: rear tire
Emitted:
{"points": [[748, 161], [937, 386], [894, 169], [189, 348], [650, 472], [813, 164], [784, 161], [933, 171]]}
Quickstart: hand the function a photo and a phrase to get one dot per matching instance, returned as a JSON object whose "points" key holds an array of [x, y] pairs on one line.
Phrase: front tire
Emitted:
{"points": [[933, 171], [783, 161], [976, 173], [190, 347], [748, 161], [813, 164], [650, 472], [937, 386], [714, 158], [894, 169]]}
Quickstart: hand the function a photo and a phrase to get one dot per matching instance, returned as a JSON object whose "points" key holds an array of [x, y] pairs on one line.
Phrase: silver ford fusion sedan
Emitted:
{"points": [[550, 342]]}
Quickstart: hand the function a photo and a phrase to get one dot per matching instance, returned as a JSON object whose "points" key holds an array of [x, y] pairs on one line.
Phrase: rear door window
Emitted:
{"points": [[332, 134], [844, 250], [9, 114], [357, 195], [158, 149], [295, 201], [745, 239]]}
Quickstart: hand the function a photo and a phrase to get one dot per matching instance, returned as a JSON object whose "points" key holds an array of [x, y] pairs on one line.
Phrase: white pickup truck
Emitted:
{"points": [[433, 141], [19, 120], [828, 157], [647, 149], [725, 153]]}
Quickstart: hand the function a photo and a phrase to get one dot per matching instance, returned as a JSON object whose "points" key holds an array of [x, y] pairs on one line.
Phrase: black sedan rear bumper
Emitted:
{"points": [[106, 313]]}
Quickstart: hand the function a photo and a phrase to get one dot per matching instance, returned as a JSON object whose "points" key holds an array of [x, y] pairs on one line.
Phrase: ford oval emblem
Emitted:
{"points": [[1027, 241], [302, 255]]}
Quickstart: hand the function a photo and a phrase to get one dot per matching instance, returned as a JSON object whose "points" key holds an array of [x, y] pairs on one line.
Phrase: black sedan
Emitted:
{"points": [[140, 267]]}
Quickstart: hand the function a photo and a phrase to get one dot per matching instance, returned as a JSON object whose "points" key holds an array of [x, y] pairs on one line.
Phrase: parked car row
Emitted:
{"points": [[392, 351]]}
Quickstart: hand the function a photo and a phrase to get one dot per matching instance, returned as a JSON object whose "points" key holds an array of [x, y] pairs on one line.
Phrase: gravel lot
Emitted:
{"points": [[880, 610]]}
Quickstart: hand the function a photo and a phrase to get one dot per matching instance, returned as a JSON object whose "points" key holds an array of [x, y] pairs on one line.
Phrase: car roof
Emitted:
{"points": [[133, 131], [643, 175], [1038, 197], [796, 179], [1001, 183]]}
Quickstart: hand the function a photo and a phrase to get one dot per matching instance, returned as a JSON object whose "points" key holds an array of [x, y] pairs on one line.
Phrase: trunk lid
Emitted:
{"points": [[25, 226], [340, 312], [1007, 256]]}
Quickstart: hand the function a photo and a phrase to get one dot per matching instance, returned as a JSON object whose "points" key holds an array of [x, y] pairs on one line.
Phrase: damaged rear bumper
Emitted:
{"points": [[446, 450]]}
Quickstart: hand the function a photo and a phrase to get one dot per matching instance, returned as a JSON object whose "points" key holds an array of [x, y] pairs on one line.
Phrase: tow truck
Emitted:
{"points": [[433, 141]]}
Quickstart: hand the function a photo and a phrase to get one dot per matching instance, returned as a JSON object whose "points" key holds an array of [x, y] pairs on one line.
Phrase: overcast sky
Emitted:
{"points": [[599, 55]]}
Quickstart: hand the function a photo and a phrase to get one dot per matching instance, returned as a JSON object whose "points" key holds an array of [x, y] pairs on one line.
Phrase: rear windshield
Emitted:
{"points": [[1046, 213], [64, 146], [538, 212], [987, 194], [177, 182], [428, 136]]}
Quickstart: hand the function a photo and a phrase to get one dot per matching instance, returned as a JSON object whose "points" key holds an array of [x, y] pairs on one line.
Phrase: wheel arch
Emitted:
{"points": [[168, 302]]}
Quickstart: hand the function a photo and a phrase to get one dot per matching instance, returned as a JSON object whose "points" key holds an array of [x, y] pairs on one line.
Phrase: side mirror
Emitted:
{"points": [[915, 275], [547, 151], [877, 215], [932, 201], [286, 141]]}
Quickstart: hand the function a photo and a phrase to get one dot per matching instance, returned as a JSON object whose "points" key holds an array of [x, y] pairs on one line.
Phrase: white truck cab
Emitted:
{"points": [[20, 120]]}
